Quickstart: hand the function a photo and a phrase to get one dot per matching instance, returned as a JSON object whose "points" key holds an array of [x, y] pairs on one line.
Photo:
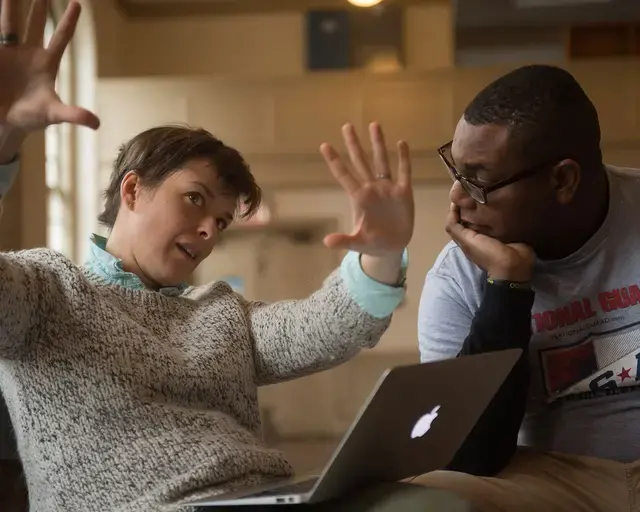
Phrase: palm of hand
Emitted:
{"points": [[501, 261], [28, 100], [382, 207], [521, 253], [506, 255], [29, 93], [511, 261], [383, 218]]}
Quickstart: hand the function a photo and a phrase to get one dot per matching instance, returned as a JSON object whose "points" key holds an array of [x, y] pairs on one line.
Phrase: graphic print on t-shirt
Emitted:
{"points": [[605, 356]]}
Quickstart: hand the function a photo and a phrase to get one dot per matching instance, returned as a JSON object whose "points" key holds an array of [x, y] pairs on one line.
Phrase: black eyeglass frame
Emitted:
{"points": [[473, 188]]}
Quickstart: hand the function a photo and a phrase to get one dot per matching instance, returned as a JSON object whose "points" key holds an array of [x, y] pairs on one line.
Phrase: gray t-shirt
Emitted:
{"points": [[585, 349]]}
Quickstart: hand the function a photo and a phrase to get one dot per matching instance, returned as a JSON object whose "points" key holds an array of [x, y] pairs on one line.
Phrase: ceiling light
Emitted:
{"points": [[364, 3]]}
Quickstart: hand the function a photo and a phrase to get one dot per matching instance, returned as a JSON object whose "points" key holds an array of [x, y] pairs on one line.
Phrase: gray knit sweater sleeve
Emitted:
{"points": [[298, 337], [23, 281]]}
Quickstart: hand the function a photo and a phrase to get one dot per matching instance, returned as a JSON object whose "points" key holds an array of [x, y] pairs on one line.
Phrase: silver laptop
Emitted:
{"points": [[413, 422]]}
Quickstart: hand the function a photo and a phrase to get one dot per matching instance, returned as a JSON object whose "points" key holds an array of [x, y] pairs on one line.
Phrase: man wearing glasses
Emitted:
{"points": [[528, 175]]}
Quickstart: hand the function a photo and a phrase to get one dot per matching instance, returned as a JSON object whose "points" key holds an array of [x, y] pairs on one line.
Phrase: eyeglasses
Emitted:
{"points": [[475, 190]]}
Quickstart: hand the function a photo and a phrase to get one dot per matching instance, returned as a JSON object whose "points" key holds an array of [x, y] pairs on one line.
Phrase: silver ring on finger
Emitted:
{"points": [[383, 177], [9, 39]]}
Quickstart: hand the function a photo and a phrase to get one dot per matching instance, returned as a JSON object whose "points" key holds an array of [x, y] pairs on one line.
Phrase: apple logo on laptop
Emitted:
{"points": [[423, 425]]}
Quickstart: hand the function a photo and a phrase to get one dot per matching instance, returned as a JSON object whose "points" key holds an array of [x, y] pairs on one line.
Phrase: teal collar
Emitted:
{"points": [[109, 268]]}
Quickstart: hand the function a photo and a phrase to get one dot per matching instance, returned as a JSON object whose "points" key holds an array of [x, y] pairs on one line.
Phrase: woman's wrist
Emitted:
{"points": [[11, 140]]}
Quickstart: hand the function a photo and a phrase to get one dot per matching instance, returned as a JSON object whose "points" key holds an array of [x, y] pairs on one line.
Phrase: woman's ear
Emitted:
{"points": [[129, 190], [565, 180]]}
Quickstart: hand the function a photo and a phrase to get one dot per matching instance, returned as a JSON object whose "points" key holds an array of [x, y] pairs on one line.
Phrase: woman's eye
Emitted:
{"points": [[195, 198], [222, 225]]}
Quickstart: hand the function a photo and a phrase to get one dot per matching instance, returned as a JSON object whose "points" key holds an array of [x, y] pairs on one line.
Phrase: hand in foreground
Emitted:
{"points": [[509, 262], [381, 203], [28, 101]]}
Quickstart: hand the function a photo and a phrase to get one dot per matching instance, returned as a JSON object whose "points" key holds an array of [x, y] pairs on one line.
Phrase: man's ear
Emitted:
{"points": [[130, 190], [565, 180]]}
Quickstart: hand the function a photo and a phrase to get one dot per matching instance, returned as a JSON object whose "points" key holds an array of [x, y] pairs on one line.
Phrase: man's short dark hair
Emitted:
{"points": [[548, 114]]}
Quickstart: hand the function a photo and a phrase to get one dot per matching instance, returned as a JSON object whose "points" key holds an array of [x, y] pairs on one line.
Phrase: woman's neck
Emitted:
{"points": [[118, 247]]}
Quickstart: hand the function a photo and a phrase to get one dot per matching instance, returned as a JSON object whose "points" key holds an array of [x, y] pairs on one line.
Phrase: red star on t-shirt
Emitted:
{"points": [[624, 374]]}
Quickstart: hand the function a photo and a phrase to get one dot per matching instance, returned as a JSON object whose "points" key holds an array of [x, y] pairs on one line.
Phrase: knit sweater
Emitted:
{"points": [[133, 400]]}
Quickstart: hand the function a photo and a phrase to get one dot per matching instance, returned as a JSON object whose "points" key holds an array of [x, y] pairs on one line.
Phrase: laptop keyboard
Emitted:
{"points": [[295, 488]]}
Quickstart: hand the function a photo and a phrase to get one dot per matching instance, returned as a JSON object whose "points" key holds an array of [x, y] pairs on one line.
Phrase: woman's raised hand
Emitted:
{"points": [[28, 100]]}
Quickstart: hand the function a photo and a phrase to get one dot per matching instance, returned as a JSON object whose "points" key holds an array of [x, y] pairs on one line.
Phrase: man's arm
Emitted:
{"points": [[503, 321], [444, 318]]}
